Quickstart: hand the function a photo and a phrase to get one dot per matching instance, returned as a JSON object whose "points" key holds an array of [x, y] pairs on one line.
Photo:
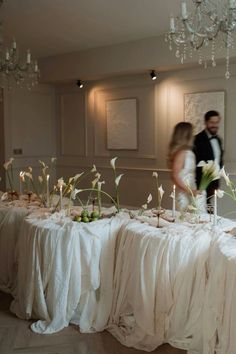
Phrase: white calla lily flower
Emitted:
{"points": [[117, 180], [155, 174], [94, 169], [161, 191], [113, 162], [225, 176], [40, 178], [149, 199], [8, 163], [75, 192], [29, 175], [100, 185], [60, 182], [220, 193]]}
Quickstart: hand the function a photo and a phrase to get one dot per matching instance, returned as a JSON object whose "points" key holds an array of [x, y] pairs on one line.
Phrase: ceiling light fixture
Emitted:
{"points": [[80, 84], [205, 30], [153, 75], [14, 69]]}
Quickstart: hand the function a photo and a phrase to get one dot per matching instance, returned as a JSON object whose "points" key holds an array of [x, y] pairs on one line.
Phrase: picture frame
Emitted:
{"points": [[122, 124], [198, 103]]}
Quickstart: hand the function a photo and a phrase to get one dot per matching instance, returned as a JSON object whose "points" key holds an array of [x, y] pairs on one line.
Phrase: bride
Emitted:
{"points": [[183, 164]]}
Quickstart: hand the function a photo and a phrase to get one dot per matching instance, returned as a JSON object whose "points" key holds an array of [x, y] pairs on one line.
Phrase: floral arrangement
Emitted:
{"points": [[9, 172], [210, 173], [159, 190]]}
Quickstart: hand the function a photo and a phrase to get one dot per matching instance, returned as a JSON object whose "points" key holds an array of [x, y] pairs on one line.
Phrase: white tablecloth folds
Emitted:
{"points": [[159, 284], [10, 223], [65, 272], [147, 286]]}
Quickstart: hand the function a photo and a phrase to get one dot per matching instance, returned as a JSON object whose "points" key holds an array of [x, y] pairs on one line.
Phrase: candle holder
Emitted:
{"points": [[13, 195], [158, 212], [29, 193], [210, 210]]}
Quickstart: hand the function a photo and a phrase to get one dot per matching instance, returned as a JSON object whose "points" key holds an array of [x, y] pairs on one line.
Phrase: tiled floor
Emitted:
{"points": [[17, 338]]}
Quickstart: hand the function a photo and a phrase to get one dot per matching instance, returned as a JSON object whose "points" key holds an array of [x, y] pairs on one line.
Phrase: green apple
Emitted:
{"points": [[95, 214], [84, 213], [85, 219], [77, 218]]}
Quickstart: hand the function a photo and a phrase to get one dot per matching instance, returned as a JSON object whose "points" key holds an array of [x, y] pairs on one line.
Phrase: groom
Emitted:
{"points": [[208, 146]]}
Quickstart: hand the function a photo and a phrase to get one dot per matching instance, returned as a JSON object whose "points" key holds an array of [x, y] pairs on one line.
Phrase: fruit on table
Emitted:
{"points": [[84, 213], [85, 219], [95, 215]]}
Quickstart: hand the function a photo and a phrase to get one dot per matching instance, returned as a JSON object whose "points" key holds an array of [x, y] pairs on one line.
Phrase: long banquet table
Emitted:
{"points": [[147, 286]]}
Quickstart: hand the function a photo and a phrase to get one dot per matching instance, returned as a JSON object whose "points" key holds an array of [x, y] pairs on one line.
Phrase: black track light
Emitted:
{"points": [[80, 84], [153, 75]]}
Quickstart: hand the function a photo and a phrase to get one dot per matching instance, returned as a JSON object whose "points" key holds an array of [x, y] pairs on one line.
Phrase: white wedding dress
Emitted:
{"points": [[187, 175]]}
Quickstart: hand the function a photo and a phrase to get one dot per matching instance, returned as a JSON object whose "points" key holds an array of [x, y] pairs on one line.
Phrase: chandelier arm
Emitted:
{"points": [[201, 35]]}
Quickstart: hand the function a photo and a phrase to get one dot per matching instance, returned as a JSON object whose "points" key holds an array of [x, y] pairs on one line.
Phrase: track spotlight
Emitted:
{"points": [[153, 75], [80, 84]]}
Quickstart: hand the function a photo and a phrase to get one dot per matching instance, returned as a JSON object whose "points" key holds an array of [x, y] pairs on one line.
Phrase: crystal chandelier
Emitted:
{"points": [[204, 28], [15, 70]]}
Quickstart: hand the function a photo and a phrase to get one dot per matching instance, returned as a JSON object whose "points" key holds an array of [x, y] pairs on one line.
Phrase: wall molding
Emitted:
{"points": [[61, 110], [115, 89]]}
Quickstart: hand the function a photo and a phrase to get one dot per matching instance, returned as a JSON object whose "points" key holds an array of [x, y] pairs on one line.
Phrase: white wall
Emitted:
{"points": [[82, 127], [29, 119]]}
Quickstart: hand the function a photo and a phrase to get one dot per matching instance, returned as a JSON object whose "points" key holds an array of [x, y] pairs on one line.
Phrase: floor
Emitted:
{"points": [[17, 338]]}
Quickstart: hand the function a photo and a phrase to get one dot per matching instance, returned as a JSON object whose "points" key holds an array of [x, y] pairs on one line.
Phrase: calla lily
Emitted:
{"points": [[117, 180], [22, 176], [60, 183], [8, 163], [144, 206], [53, 159], [4, 196], [220, 193], [192, 208], [225, 176], [42, 163], [113, 162], [202, 163], [149, 199], [40, 178], [100, 185], [98, 175], [94, 169], [29, 175], [94, 182], [155, 174], [161, 191], [76, 177], [75, 192], [30, 169]]}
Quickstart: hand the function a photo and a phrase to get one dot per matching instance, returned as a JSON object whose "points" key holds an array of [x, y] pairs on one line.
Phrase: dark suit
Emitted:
{"points": [[204, 152]]}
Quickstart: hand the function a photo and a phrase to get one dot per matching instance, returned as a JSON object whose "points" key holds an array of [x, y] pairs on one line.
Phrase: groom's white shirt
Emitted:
{"points": [[215, 147]]}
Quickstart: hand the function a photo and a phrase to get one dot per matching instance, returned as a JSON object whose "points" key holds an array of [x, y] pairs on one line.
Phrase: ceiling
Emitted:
{"points": [[51, 27]]}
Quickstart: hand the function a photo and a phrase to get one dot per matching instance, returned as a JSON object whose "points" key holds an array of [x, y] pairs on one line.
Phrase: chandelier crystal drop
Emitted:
{"points": [[15, 70], [204, 28]]}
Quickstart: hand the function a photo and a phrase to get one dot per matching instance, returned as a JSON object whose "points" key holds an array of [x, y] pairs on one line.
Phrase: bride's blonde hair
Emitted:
{"points": [[182, 139]]}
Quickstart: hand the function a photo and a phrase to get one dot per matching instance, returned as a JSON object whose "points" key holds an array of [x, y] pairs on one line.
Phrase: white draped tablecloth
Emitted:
{"points": [[160, 284], [11, 218], [148, 286], [217, 324], [65, 272]]}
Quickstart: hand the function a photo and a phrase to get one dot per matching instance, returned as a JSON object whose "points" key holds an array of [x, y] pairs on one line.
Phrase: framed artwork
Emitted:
{"points": [[122, 126], [197, 104]]}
